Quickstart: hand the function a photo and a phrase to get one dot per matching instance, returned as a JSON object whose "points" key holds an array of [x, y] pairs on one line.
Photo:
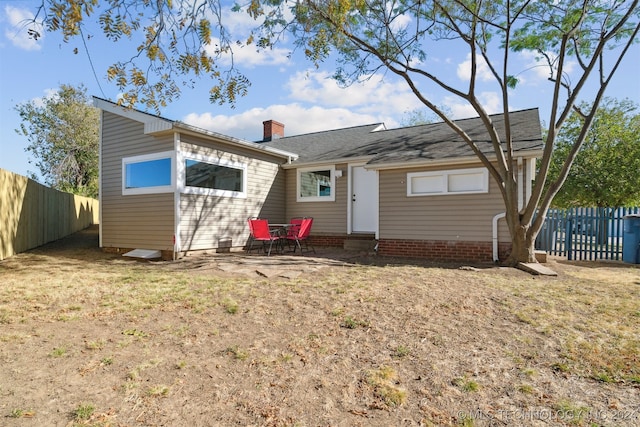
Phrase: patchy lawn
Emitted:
{"points": [[88, 338]]}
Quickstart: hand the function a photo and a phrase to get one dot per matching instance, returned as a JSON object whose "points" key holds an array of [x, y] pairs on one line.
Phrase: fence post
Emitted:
{"points": [[568, 238]]}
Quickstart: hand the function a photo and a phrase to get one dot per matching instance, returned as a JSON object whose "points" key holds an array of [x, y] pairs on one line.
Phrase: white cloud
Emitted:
{"points": [[296, 118], [240, 25], [483, 73], [535, 65], [491, 102], [535, 69], [19, 25], [238, 22], [50, 93], [374, 96], [249, 56], [400, 22], [241, 22]]}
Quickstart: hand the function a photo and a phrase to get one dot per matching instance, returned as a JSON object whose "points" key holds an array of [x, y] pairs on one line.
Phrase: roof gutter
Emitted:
{"points": [[192, 130], [328, 162], [445, 162]]}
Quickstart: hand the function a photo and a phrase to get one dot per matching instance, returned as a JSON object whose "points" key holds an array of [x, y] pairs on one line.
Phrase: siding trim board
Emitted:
{"points": [[177, 243], [100, 176]]}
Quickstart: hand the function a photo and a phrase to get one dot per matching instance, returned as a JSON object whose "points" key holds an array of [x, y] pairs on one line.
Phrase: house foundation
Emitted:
{"points": [[442, 250]]}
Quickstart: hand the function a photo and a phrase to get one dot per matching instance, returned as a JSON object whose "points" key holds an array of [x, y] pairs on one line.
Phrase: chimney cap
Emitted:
{"points": [[275, 122]]}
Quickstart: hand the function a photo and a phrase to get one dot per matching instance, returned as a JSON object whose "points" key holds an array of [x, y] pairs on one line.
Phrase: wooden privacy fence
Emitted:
{"points": [[584, 233], [32, 214]]}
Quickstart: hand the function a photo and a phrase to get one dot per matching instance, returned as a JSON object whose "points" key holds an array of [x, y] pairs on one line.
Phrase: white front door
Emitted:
{"points": [[364, 200]]}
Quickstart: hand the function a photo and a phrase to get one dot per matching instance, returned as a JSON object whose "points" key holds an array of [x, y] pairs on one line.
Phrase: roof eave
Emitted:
{"points": [[446, 162], [192, 130], [129, 113], [327, 162], [156, 125]]}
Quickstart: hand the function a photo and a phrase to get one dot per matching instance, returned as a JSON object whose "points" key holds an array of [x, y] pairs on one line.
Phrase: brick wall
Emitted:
{"points": [[332, 241], [436, 250], [440, 250]]}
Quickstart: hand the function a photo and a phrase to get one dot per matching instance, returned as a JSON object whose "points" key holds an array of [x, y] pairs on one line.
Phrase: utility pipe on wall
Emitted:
{"points": [[520, 184], [495, 235]]}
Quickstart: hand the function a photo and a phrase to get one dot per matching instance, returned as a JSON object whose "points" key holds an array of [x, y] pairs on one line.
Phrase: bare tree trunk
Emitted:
{"points": [[522, 244]]}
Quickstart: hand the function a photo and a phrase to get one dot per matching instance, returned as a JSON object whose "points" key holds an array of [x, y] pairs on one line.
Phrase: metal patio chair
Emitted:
{"points": [[298, 235], [259, 229]]}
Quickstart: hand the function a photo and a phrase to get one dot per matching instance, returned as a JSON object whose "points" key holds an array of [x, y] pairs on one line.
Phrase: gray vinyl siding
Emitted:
{"points": [[464, 217], [132, 221], [206, 220], [328, 217]]}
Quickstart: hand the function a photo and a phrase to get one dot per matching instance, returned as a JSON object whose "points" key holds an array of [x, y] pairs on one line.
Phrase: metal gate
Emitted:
{"points": [[584, 233]]}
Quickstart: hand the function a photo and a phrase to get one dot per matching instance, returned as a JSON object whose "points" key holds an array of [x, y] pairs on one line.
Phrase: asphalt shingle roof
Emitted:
{"points": [[435, 141], [315, 146]]}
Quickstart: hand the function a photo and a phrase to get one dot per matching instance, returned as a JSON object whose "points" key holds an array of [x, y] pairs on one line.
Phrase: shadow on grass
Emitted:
{"points": [[84, 246], [598, 264]]}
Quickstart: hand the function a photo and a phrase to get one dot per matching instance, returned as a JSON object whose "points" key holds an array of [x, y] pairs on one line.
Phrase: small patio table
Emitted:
{"points": [[281, 230]]}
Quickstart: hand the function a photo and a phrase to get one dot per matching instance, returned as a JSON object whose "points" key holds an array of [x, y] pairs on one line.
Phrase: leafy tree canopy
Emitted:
{"points": [[62, 131], [422, 116], [606, 172]]}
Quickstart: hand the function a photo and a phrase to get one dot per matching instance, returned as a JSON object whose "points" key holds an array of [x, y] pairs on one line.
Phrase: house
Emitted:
{"points": [[418, 191]]}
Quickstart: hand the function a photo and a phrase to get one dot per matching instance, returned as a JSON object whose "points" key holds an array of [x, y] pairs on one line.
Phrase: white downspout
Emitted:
{"points": [[495, 235], [520, 184], [178, 181], [521, 197], [530, 170]]}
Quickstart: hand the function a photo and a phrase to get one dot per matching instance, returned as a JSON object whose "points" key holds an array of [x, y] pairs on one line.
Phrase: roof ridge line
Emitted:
{"points": [[331, 130]]}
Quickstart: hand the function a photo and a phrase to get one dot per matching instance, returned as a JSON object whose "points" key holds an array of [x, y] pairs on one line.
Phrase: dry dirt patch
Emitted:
{"points": [[336, 340]]}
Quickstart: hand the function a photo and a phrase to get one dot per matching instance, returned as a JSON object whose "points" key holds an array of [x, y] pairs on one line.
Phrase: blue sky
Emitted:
{"points": [[285, 89]]}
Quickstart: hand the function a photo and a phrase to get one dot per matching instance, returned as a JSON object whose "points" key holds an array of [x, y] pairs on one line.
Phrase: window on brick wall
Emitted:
{"points": [[455, 181]]}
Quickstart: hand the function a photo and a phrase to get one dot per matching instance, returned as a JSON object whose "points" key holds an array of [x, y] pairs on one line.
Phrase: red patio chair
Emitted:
{"points": [[250, 223], [294, 226], [301, 234], [259, 229]]}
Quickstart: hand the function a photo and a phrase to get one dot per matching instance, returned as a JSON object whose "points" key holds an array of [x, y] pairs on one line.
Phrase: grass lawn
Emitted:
{"points": [[92, 339]]}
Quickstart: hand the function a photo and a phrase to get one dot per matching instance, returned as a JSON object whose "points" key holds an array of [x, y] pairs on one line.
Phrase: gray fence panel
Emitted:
{"points": [[584, 233]]}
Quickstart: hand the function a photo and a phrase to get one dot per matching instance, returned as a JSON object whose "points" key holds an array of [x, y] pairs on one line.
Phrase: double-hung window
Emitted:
{"points": [[316, 184], [148, 173], [456, 181]]}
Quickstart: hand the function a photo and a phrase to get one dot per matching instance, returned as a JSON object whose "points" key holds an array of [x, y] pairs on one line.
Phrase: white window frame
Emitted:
{"points": [[444, 176], [216, 162], [145, 158], [332, 180]]}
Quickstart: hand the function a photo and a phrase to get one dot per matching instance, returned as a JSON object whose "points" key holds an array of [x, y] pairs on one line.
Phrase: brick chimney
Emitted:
{"points": [[272, 130]]}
